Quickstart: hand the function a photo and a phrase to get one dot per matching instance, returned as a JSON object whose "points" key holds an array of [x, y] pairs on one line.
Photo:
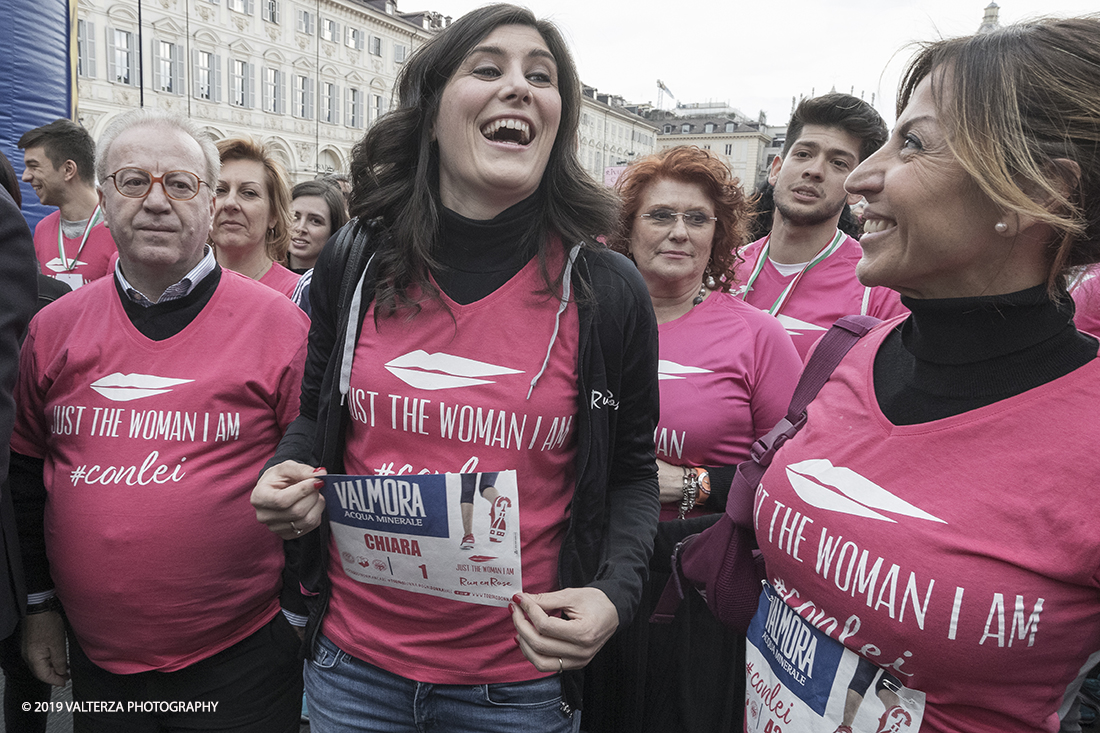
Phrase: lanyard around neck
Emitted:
{"points": [[66, 265], [762, 259]]}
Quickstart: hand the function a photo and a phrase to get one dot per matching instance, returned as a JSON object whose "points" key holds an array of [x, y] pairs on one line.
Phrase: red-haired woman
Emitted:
{"points": [[727, 371]]}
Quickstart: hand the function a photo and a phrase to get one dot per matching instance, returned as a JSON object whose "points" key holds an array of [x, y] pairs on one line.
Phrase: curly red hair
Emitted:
{"points": [[690, 164]]}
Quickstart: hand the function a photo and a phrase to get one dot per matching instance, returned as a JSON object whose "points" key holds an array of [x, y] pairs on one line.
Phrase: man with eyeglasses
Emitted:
{"points": [[804, 271], [147, 405], [72, 244]]}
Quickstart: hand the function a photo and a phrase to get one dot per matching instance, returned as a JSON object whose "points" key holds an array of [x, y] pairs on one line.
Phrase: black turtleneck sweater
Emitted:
{"points": [[477, 257], [955, 355]]}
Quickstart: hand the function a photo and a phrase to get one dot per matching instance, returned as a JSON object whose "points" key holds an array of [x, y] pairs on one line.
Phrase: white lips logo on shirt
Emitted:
{"points": [[58, 266], [119, 387], [797, 327], [671, 370], [837, 489], [422, 370]]}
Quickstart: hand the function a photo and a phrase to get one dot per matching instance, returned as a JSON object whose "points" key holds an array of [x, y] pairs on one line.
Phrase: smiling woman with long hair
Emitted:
{"points": [[945, 556], [478, 286]]}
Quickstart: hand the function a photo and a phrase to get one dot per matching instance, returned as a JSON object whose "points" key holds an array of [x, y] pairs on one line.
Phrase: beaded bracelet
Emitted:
{"points": [[691, 489]]}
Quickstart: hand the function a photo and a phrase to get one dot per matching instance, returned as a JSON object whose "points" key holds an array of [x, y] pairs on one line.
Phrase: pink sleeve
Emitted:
{"points": [[290, 383], [1087, 299], [29, 434], [777, 366]]}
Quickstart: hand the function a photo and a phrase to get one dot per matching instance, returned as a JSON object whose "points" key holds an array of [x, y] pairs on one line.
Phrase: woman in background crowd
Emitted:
{"points": [[727, 373], [317, 212], [251, 231], [945, 546], [479, 274]]}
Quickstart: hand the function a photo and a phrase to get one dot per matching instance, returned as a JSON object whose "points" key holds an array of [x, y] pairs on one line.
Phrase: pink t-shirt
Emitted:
{"points": [[82, 265], [727, 372], [151, 451], [826, 292], [436, 395], [961, 554], [1087, 297], [281, 279]]}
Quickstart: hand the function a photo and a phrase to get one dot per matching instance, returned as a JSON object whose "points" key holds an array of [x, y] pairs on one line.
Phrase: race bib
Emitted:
{"points": [[448, 535], [800, 680]]}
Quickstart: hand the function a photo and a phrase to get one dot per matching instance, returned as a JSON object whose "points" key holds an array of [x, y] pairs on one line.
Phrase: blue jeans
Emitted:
{"points": [[347, 694]]}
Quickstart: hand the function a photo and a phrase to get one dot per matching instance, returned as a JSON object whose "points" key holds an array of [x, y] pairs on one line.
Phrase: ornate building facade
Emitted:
{"points": [[305, 76]]}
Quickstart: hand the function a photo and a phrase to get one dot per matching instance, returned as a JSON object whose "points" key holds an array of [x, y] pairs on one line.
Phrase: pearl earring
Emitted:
{"points": [[1001, 227]]}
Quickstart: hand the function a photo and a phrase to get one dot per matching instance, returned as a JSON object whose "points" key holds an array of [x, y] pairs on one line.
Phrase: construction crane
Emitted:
{"points": [[661, 90]]}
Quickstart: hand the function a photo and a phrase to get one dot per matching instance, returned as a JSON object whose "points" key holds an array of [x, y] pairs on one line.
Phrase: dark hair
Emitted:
{"points": [[763, 210], [844, 111], [334, 198], [1021, 99], [277, 238], [9, 181], [395, 168], [689, 164], [64, 140]]}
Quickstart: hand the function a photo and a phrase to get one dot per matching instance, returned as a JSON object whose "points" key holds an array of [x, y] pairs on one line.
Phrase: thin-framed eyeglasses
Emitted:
{"points": [[136, 183], [666, 218]]}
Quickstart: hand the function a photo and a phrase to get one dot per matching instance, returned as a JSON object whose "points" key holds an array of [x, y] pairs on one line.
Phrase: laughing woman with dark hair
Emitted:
{"points": [[475, 244]]}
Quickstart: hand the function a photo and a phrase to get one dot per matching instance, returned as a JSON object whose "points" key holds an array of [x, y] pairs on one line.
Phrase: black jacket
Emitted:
{"points": [[614, 509]]}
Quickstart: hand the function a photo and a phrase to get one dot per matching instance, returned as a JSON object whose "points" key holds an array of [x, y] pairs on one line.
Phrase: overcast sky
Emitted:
{"points": [[756, 55]]}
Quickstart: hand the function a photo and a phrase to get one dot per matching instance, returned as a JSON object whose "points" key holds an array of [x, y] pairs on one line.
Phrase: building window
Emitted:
{"points": [[168, 67], [729, 148], [207, 74], [709, 127], [668, 129], [242, 6], [242, 84], [400, 53], [330, 30], [303, 97], [330, 103], [274, 91], [378, 107], [353, 38], [354, 112], [85, 48], [731, 127], [375, 46], [305, 22], [270, 10], [120, 57]]}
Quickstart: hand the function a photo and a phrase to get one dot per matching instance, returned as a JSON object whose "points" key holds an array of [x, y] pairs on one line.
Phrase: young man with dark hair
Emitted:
{"points": [[804, 271], [72, 244]]}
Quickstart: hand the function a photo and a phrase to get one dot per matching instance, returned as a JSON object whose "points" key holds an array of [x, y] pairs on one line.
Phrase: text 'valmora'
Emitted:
{"points": [[390, 496], [791, 635]]}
